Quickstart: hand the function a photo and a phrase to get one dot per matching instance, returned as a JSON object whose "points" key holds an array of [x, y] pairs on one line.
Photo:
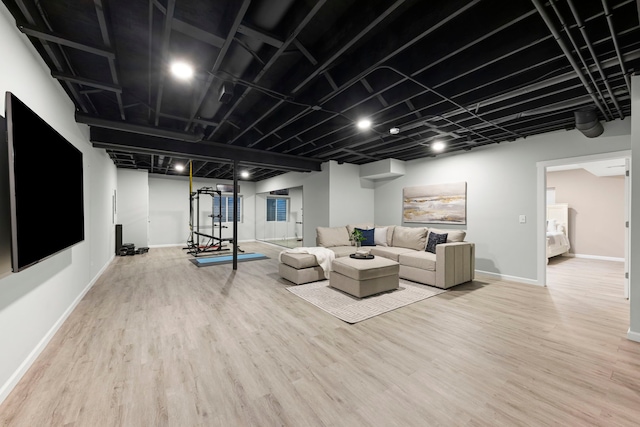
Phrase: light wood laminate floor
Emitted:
{"points": [[159, 342]]}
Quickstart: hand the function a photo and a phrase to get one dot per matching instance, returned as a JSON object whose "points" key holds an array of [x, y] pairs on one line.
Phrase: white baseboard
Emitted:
{"points": [[633, 336], [271, 244], [598, 257], [509, 278], [13, 380]]}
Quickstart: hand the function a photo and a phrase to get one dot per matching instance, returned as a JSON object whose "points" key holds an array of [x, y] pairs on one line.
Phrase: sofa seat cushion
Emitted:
{"points": [[365, 269], [389, 252], [298, 261], [419, 259], [342, 251]]}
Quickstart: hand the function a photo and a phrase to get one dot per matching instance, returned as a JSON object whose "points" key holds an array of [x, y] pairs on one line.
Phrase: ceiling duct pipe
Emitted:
{"points": [[594, 56], [587, 122], [567, 53]]}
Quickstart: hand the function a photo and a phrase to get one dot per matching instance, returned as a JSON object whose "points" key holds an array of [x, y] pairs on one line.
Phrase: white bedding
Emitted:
{"points": [[557, 243], [557, 229]]}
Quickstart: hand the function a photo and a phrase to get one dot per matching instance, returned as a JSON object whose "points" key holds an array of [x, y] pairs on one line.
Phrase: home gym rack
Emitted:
{"points": [[214, 243]]}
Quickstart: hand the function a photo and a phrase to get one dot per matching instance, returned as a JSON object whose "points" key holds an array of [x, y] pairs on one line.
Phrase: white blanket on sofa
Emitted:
{"points": [[324, 256]]}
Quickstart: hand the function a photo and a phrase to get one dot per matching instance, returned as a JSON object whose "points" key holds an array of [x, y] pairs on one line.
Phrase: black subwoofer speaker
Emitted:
{"points": [[118, 238]]}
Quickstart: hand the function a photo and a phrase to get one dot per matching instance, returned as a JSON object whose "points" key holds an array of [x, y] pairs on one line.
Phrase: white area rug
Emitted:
{"points": [[351, 309]]}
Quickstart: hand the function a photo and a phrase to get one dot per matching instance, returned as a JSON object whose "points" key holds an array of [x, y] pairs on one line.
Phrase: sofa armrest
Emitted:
{"points": [[455, 263]]}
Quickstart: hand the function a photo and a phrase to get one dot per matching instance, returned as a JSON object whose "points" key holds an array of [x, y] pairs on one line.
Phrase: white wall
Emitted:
{"points": [[634, 258], [169, 210], [501, 185], [35, 302], [596, 211], [351, 197], [133, 206]]}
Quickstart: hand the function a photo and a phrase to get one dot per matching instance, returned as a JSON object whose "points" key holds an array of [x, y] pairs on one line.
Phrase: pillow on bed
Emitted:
{"points": [[551, 225]]}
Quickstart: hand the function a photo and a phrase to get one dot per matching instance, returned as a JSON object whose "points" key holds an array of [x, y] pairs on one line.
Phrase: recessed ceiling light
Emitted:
{"points": [[179, 167], [244, 174], [182, 70], [394, 131], [438, 146], [364, 124]]}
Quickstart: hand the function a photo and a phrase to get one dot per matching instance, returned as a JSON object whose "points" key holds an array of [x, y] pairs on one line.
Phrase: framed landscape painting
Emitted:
{"points": [[435, 204]]}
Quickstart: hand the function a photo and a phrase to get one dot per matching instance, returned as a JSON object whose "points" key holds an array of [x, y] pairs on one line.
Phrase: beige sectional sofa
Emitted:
{"points": [[453, 262]]}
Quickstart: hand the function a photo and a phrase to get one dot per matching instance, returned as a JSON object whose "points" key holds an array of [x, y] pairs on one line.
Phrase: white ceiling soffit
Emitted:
{"points": [[612, 167]]}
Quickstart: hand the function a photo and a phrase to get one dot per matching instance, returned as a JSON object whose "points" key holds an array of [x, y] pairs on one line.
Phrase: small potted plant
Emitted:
{"points": [[357, 237]]}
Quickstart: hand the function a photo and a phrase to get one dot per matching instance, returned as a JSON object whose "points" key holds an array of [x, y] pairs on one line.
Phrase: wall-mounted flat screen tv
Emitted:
{"points": [[45, 187]]}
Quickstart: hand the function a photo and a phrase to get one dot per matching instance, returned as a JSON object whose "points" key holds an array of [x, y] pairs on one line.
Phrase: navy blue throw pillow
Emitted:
{"points": [[435, 239], [368, 235]]}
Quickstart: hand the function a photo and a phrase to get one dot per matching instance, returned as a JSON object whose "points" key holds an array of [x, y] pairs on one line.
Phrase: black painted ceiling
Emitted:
{"points": [[295, 75]]}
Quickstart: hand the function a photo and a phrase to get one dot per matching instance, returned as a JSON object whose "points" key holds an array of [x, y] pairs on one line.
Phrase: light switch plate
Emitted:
{"points": [[523, 219]]}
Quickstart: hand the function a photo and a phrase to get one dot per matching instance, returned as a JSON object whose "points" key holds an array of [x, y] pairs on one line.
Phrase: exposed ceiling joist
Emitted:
{"points": [[260, 35], [197, 33], [64, 41], [87, 82], [208, 151]]}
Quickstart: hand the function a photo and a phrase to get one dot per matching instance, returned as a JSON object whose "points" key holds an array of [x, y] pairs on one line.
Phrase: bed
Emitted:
{"points": [[557, 229]]}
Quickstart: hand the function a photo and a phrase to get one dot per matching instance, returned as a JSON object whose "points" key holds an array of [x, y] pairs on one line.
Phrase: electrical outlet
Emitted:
{"points": [[523, 219]]}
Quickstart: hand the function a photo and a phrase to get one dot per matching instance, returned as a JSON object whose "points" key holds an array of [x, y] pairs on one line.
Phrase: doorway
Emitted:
{"points": [[576, 183]]}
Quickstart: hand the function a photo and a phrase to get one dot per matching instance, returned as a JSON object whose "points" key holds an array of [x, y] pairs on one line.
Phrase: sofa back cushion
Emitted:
{"points": [[452, 235], [410, 237], [390, 229], [332, 236]]}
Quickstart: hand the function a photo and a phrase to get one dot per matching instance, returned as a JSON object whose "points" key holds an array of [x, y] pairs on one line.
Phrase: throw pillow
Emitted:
{"points": [[435, 239], [380, 236], [369, 237]]}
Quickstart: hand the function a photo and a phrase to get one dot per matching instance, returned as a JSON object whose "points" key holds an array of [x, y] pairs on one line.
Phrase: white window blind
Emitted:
{"points": [[277, 209], [223, 206]]}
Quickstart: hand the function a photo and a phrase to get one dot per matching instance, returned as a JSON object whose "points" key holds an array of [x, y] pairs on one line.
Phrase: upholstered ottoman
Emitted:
{"points": [[300, 268], [364, 277]]}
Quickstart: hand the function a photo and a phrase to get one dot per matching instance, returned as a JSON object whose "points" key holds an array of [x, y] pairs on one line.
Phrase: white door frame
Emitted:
{"points": [[542, 206]]}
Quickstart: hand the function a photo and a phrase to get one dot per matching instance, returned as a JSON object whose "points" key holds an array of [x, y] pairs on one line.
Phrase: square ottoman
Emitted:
{"points": [[300, 268], [364, 277]]}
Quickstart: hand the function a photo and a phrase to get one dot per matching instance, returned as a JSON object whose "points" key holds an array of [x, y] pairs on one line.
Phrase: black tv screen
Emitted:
{"points": [[45, 186]]}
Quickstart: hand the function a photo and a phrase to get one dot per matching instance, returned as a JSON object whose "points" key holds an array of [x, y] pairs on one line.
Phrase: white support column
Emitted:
{"points": [[634, 256]]}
